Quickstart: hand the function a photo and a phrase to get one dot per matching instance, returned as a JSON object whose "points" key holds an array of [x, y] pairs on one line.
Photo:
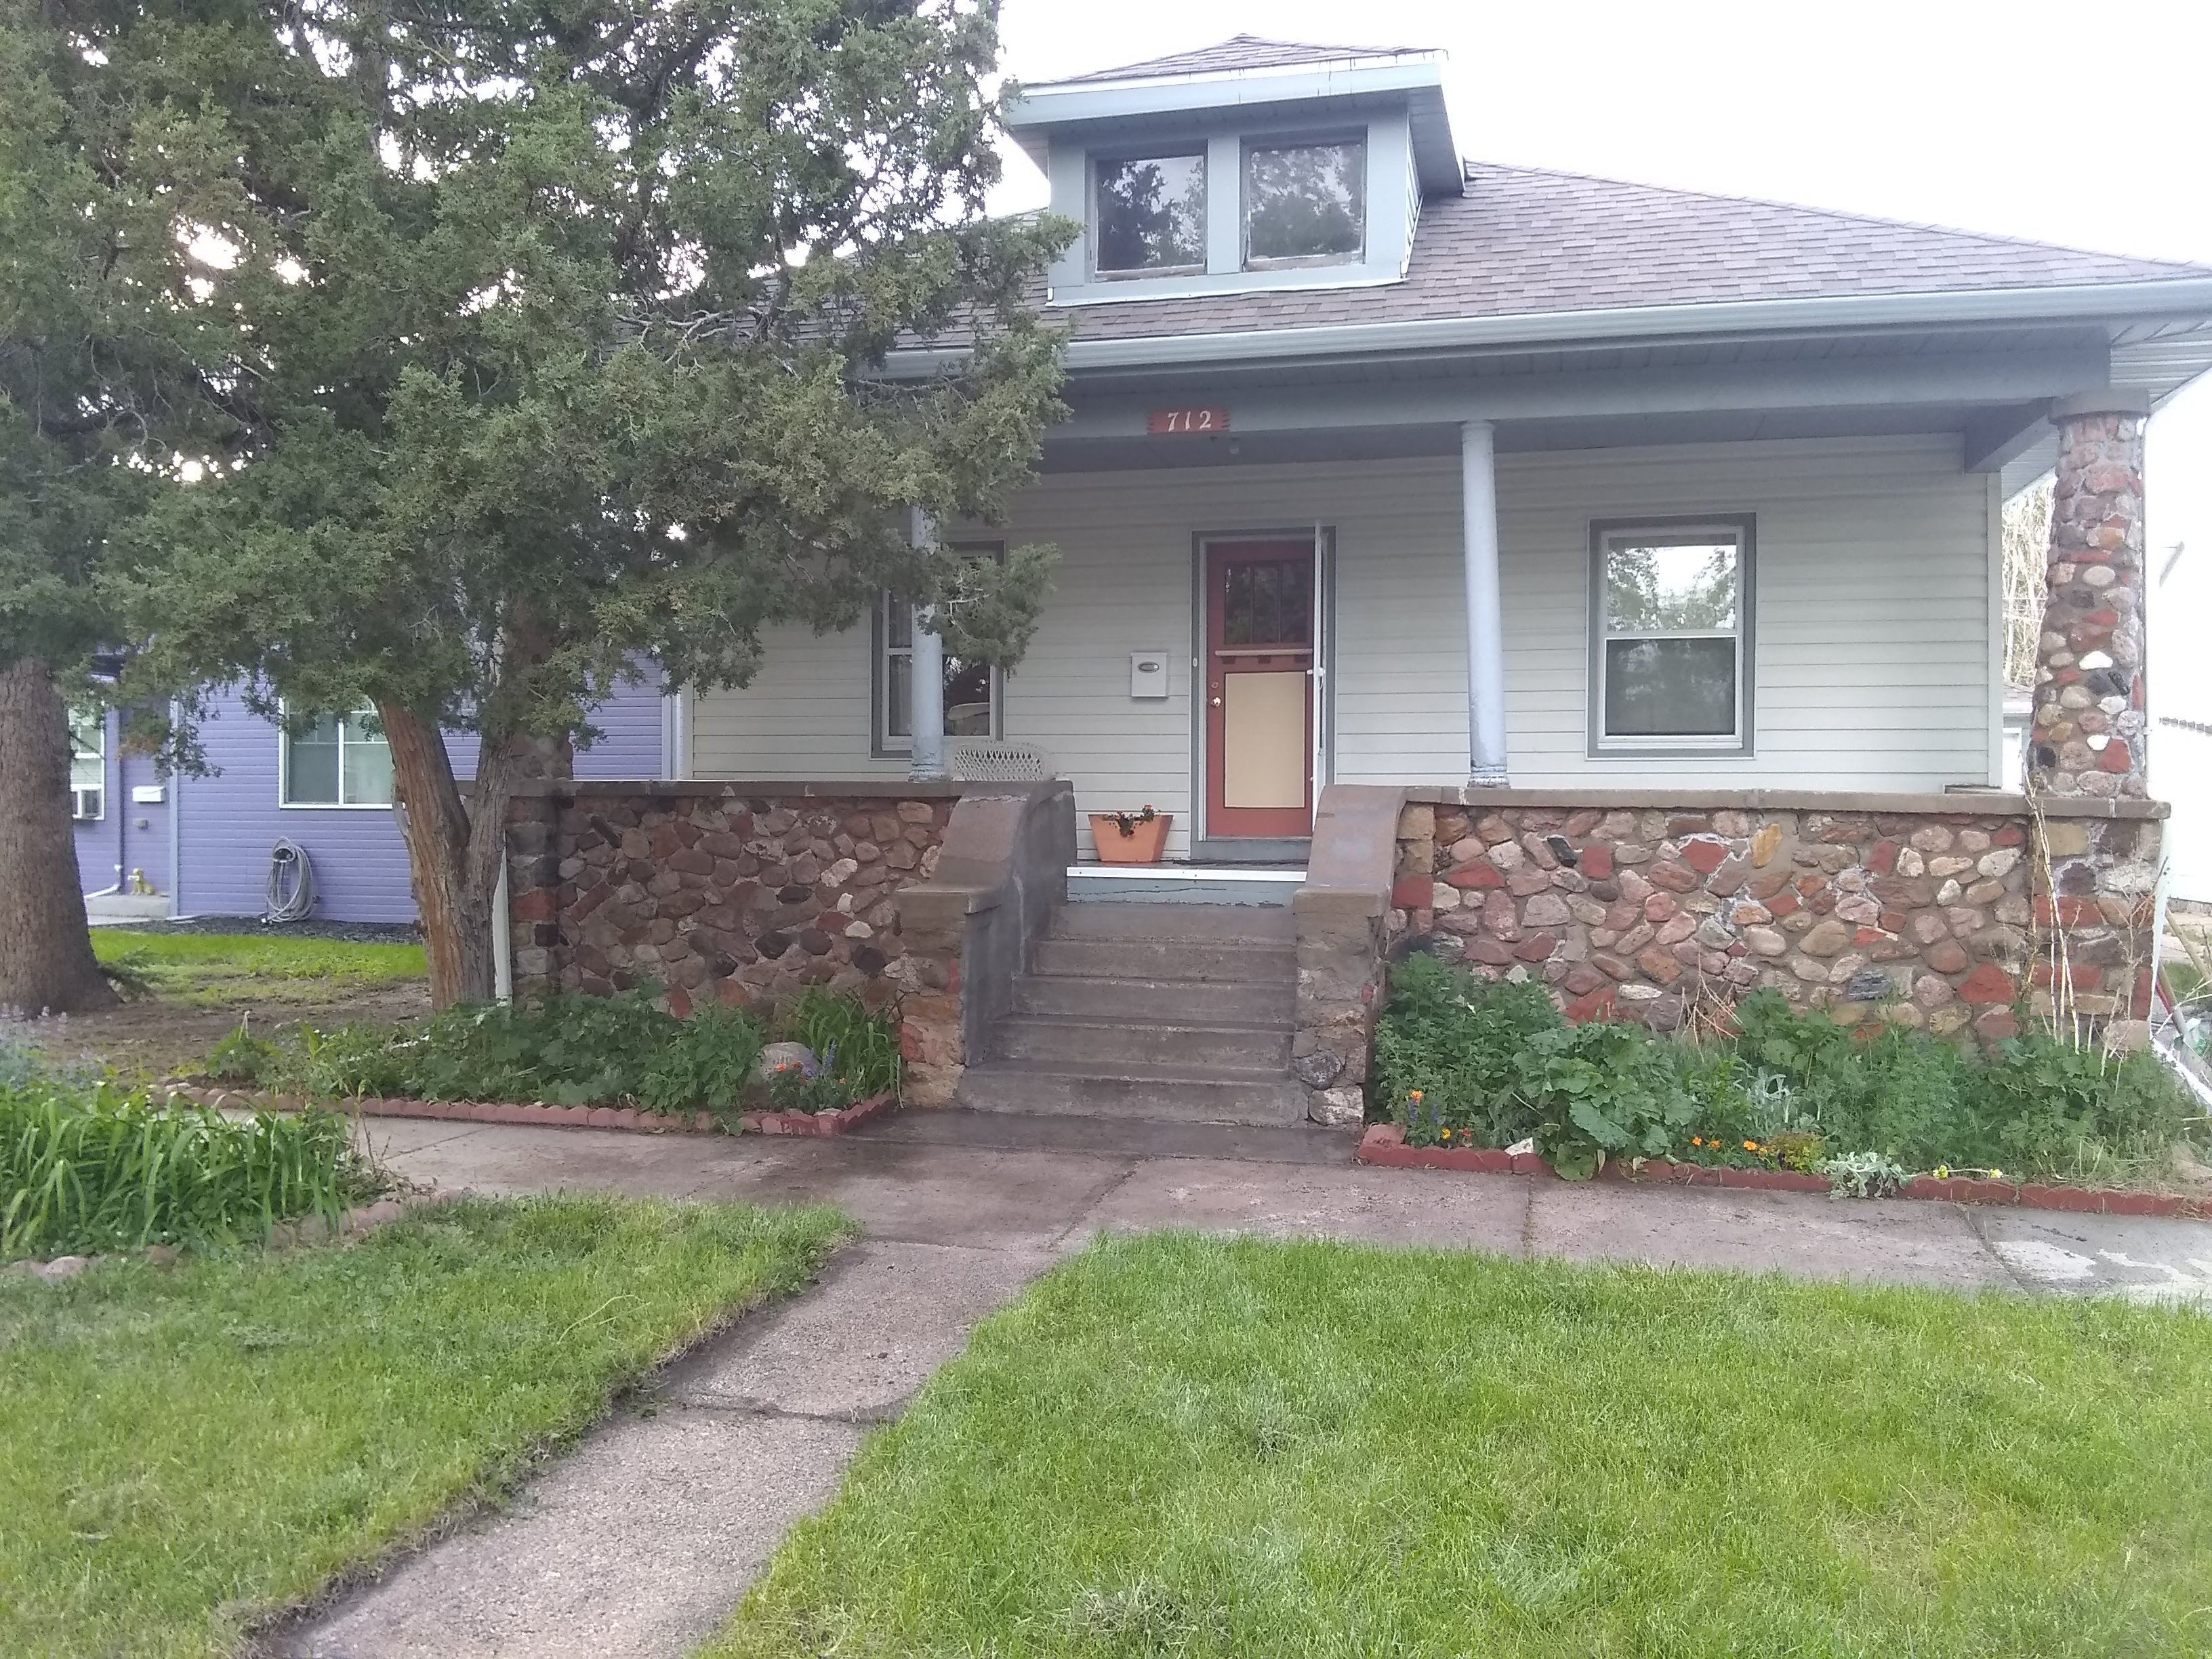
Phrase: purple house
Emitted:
{"points": [[203, 843]]}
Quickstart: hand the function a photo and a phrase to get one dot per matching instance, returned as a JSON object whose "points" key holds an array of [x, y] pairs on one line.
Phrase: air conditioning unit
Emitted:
{"points": [[84, 804]]}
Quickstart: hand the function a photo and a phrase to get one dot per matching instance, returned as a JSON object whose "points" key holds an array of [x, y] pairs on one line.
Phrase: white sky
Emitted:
{"points": [[2085, 124]]}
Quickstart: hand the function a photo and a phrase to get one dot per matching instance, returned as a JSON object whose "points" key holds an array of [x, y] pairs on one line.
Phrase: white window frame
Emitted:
{"points": [[285, 801], [882, 744], [98, 724], [1296, 141], [1093, 160], [1685, 531]]}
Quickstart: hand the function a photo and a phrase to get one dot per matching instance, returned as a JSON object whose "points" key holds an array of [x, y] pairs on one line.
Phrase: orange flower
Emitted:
{"points": [[1751, 1145], [1445, 1135]]}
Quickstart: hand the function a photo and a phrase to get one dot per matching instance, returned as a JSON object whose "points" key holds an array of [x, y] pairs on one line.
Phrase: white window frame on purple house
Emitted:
{"points": [[285, 801], [88, 737]]}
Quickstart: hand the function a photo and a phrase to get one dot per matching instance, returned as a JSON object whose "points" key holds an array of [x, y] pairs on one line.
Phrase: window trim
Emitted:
{"points": [[99, 728], [1252, 142], [1739, 745], [285, 801], [882, 745], [1170, 150]]}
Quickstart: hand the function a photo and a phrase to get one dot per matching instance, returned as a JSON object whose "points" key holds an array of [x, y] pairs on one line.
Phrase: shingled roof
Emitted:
{"points": [[1524, 240], [1239, 51]]}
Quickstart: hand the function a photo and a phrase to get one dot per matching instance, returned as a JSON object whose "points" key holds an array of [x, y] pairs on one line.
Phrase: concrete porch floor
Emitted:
{"points": [[640, 1541]]}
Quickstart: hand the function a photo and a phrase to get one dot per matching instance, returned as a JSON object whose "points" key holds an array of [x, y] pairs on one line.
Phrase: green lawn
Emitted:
{"points": [[202, 969], [1189, 1446], [184, 1450]]}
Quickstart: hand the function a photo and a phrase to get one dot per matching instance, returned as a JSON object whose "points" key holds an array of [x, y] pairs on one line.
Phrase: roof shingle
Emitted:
{"points": [[1525, 240]]}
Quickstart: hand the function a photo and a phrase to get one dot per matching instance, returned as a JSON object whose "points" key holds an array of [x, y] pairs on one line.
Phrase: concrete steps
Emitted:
{"points": [[1172, 1012]]}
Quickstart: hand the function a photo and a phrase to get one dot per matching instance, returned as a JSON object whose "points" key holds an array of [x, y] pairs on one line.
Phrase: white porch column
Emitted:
{"points": [[926, 687], [1486, 613]]}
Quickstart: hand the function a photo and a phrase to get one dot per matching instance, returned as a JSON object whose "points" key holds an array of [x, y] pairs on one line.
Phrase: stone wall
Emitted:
{"points": [[2089, 726], [743, 892], [1942, 913]]}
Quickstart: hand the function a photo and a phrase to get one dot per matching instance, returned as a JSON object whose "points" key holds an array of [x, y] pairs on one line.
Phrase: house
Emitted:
{"points": [[1388, 466], [169, 845], [1590, 582]]}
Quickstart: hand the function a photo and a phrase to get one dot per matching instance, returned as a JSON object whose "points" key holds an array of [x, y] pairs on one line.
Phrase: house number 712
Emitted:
{"points": [[1186, 420]]}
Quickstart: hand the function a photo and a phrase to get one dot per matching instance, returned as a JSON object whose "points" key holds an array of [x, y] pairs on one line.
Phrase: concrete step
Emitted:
{"points": [[1182, 883], [1253, 924], [1236, 962], [1256, 1002], [1171, 1094], [1078, 1043]]}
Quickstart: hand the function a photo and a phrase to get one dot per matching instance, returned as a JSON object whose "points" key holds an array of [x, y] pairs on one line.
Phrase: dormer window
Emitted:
{"points": [[1305, 202], [1150, 211]]}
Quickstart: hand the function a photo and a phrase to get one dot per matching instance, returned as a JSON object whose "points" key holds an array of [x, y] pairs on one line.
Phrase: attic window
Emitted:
{"points": [[1150, 214], [1305, 204]]}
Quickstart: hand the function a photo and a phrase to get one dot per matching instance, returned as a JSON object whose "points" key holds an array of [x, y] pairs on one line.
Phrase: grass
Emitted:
{"points": [[1191, 1446], [185, 1450], [210, 969]]}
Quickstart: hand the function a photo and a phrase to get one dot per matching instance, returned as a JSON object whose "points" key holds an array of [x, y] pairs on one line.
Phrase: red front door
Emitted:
{"points": [[1259, 688]]}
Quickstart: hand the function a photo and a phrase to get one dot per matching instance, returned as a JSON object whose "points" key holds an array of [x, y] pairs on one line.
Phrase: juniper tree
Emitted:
{"points": [[571, 359], [117, 158]]}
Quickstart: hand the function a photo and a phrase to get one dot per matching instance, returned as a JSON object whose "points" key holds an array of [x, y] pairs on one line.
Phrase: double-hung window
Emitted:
{"points": [[973, 689], [87, 739], [334, 760], [1671, 637]]}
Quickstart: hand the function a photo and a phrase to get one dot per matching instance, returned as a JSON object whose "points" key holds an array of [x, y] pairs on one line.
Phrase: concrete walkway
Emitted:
{"points": [[641, 1542]]}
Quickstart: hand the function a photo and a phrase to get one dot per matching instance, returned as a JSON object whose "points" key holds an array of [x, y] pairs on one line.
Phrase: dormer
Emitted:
{"points": [[1254, 164]]}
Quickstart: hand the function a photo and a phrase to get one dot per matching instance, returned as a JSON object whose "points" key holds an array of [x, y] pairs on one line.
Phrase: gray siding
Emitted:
{"points": [[1874, 658]]}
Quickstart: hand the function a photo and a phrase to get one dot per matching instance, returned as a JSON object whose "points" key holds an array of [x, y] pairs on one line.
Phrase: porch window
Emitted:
{"points": [[972, 689], [1671, 646], [88, 739], [336, 761], [1149, 214], [1305, 204]]}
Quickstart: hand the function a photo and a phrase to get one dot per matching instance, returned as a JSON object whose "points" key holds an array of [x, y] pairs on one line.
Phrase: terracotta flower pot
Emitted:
{"points": [[1142, 845]]}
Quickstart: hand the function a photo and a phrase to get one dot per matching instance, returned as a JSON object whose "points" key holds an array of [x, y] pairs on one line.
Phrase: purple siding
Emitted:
{"points": [[228, 822], [128, 835]]}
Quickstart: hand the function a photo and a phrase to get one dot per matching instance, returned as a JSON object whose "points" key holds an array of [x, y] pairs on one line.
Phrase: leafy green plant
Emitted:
{"points": [[88, 1167], [243, 1058], [707, 1062], [1862, 1175], [865, 1046]]}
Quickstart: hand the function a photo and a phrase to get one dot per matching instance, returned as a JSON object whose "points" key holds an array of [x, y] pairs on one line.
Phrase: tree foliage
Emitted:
{"points": [[565, 352]]}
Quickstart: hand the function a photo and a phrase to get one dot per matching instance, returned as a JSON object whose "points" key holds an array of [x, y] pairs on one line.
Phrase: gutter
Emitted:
{"points": [[2081, 303]]}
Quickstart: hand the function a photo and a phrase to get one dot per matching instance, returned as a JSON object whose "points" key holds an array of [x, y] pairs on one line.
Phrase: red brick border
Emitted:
{"points": [[1384, 1146], [552, 1117]]}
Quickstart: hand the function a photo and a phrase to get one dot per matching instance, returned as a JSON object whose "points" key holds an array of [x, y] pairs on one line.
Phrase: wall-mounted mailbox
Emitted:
{"points": [[148, 794], [1148, 673]]}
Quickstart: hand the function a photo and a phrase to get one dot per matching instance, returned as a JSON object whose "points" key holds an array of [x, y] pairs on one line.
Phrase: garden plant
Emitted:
{"points": [[1462, 1061], [88, 1166], [577, 1050]]}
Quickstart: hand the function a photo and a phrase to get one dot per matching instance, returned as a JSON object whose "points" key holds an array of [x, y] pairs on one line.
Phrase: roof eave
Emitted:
{"points": [[2101, 303]]}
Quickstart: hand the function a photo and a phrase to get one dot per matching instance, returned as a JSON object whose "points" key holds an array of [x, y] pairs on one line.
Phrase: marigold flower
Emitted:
{"points": [[1751, 1145], [1445, 1135]]}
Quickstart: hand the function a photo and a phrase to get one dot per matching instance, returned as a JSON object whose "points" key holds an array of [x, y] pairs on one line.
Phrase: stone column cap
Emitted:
{"points": [[2107, 400]]}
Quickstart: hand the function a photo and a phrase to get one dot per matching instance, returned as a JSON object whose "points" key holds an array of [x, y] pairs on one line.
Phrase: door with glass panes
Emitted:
{"points": [[1259, 665]]}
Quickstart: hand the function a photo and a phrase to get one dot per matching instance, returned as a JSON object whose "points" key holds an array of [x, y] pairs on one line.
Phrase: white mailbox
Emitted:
{"points": [[148, 794], [1148, 673]]}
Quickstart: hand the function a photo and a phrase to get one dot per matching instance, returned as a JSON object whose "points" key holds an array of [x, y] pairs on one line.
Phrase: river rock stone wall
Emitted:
{"points": [[1947, 921], [736, 892]]}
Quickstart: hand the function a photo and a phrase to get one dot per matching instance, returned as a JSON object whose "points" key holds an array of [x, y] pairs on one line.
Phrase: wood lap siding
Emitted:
{"points": [[1873, 649]]}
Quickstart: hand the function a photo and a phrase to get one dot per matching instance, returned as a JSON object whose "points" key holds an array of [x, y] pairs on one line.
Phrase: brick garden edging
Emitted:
{"points": [[552, 1117], [1384, 1146]]}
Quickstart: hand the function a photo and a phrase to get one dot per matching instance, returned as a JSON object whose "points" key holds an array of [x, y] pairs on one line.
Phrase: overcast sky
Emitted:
{"points": [[2085, 124]]}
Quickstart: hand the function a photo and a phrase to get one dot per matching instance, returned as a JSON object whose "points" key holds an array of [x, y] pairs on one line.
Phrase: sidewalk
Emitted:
{"points": [[639, 1543]]}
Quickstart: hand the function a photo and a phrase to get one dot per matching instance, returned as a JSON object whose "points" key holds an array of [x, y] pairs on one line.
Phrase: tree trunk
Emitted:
{"points": [[456, 844], [46, 964]]}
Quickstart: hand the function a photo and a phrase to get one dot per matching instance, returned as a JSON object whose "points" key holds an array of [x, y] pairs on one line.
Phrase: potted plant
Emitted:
{"points": [[1130, 837]]}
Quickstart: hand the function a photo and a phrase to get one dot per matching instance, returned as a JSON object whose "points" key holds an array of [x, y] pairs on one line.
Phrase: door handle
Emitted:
{"points": [[1216, 689]]}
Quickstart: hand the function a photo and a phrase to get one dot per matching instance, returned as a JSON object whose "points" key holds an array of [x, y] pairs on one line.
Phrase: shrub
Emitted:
{"points": [[1494, 1064], [570, 1050], [87, 1166]]}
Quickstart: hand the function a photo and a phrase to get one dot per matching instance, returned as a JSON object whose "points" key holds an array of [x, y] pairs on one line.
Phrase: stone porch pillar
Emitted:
{"points": [[1485, 611], [926, 681], [2089, 728]]}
